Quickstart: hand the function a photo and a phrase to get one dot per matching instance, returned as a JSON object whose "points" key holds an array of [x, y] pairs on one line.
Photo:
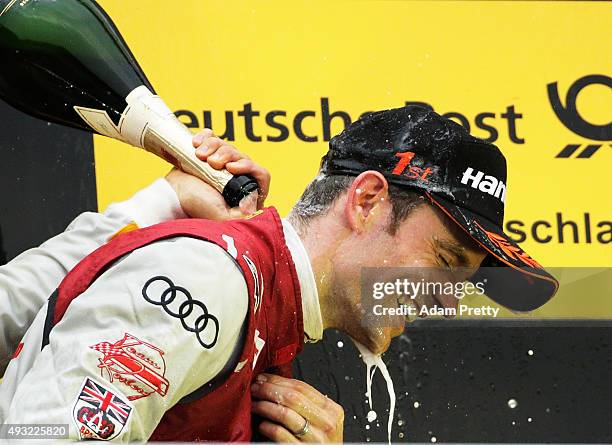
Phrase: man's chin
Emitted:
{"points": [[378, 340]]}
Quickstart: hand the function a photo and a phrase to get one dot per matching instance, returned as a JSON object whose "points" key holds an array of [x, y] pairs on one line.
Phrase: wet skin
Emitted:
{"points": [[355, 233]]}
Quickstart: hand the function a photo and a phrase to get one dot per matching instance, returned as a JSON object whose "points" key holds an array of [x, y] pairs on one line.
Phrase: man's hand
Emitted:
{"points": [[200, 200], [291, 406]]}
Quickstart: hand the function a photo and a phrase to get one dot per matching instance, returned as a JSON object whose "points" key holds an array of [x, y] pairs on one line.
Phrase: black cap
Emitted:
{"points": [[464, 176]]}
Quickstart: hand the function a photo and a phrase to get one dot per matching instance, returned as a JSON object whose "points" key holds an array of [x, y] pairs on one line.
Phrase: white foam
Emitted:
{"points": [[373, 362]]}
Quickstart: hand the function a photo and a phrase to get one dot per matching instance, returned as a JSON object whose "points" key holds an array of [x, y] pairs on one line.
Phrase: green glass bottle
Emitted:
{"points": [[65, 61]]}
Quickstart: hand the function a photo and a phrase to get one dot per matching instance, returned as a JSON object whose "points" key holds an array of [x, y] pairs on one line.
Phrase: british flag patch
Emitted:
{"points": [[99, 413]]}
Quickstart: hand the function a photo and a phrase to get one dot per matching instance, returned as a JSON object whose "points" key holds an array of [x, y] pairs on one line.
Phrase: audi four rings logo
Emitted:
{"points": [[186, 307]]}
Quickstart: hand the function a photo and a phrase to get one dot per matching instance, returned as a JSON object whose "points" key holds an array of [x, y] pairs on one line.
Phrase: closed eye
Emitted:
{"points": [[446, 264], [454, 254]]}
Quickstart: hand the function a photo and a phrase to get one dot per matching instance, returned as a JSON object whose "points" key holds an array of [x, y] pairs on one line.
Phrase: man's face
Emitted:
{"points": [[425, 239]]}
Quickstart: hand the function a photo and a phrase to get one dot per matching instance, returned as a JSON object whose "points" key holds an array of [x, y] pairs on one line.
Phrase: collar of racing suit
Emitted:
{"points": [[313, 321]]}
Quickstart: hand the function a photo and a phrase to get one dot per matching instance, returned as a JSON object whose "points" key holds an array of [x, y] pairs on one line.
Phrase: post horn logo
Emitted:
{"points": [[571, 118]]}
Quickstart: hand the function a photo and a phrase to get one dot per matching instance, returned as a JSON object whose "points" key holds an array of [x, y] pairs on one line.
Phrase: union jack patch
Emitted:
{"points": [[99, 413]]}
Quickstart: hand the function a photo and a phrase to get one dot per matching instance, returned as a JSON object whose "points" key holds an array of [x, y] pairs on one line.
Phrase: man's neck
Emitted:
{"points": [[320, 240]]}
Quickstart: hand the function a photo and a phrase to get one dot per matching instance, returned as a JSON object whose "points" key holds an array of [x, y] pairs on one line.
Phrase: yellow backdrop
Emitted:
{"points": [[490, 62]]}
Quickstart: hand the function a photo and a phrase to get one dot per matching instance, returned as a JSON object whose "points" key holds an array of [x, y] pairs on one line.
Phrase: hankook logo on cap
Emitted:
{"points": [[485, 183]]}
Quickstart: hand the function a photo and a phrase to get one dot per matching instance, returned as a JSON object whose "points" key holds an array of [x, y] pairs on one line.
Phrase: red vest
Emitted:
{"points": [[275, 316]]}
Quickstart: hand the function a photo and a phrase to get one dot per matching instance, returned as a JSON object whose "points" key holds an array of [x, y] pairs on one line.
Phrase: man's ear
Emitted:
{"points": [[364, 199]]}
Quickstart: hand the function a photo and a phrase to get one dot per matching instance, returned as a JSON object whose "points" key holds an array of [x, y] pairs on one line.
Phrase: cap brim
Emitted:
{"points": [[513, 278]]}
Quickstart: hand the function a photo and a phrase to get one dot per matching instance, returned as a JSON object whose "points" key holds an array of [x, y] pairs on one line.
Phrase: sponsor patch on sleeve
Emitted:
{"points": [[135, 365], [100, 413]]}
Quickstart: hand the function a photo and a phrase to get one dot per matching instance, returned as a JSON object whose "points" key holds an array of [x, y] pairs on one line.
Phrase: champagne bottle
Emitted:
{"points": [[65, 61]]}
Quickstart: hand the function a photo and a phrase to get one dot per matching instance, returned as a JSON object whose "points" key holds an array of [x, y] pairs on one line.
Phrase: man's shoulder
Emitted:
{"points": [[187, 252], [202, 269]]}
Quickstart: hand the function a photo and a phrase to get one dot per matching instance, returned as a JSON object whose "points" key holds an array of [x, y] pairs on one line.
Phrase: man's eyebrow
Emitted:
{"points": [[454, 249]]}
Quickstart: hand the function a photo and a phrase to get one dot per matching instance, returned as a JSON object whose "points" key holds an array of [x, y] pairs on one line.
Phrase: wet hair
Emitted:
{"points": [[321, 193]]}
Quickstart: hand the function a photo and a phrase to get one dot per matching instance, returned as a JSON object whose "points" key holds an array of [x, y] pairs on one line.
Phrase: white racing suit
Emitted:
{"points": [[39, 386], [27, 281]]}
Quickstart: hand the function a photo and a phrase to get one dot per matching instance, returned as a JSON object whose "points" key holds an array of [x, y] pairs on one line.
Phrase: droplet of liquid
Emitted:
{"points": [[433, 439], [248, 204], [530, 352], [529, 419], [416, 404], [512, 403], [371, 416]]}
